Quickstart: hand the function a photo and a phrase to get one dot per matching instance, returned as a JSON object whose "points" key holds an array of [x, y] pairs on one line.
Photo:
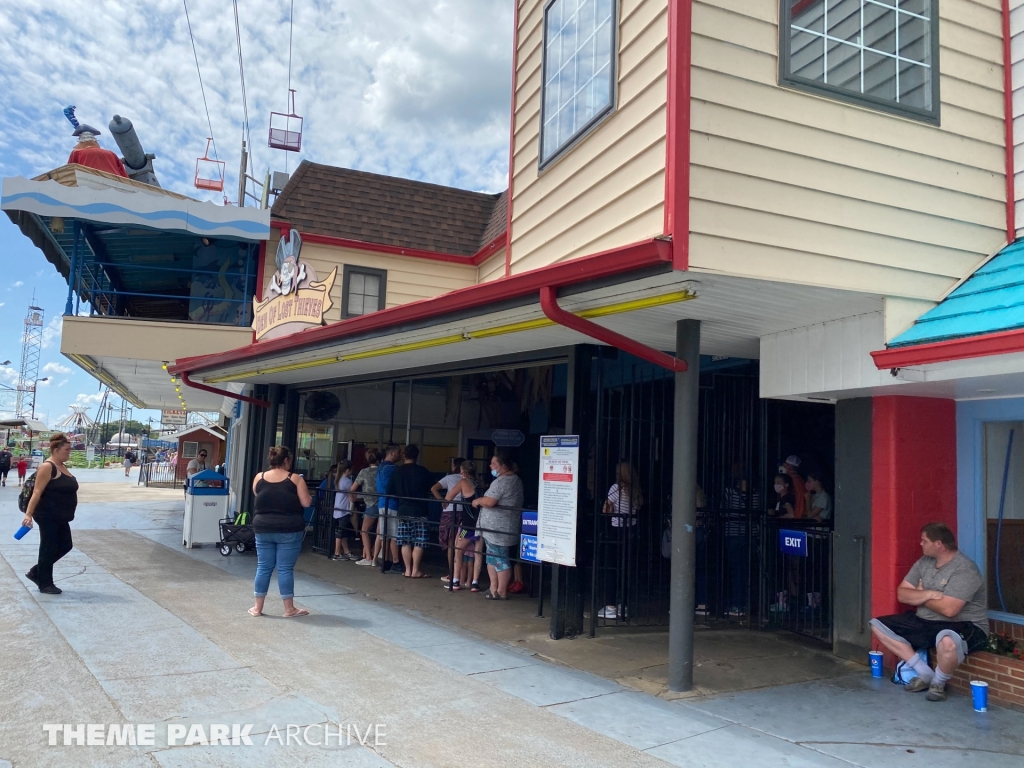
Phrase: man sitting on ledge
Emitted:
{"points": [[951, 617]]}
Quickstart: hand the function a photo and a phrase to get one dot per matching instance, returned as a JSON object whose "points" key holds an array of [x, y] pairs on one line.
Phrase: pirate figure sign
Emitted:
{"points": [[294, 299], [290, 272]]}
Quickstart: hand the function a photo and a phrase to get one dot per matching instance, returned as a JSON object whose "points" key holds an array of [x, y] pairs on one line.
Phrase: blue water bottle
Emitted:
{"points": [[21, 532]]}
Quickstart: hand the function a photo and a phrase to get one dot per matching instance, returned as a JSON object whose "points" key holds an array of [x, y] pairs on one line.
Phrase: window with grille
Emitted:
{"points": [[363, 291], [579, 71], [877, 53]]}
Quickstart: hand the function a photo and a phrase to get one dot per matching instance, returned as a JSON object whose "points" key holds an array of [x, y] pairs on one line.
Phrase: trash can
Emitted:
{"points": [[206, 504]]}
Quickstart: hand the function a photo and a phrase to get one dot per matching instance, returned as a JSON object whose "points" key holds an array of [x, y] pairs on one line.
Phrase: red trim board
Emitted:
{"points": [[617, 261], [343, 242], [677, 140], [1011, 205], [1001, 343]]}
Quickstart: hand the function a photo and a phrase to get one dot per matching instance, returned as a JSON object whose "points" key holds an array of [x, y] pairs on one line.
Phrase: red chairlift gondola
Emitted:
{"points": [[209, 172], [286, 129]]}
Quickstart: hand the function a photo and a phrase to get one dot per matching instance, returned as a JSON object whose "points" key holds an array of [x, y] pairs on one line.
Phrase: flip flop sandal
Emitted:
{"points": [[494, 596], [254, 615], [298, 612]]}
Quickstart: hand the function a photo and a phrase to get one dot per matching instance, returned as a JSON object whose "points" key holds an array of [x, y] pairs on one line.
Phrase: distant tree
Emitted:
{"points": [[132, 427]]}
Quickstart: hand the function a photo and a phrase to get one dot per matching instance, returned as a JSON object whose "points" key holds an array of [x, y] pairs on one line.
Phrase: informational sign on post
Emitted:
{"points": [[793, 543], [557, 499]]}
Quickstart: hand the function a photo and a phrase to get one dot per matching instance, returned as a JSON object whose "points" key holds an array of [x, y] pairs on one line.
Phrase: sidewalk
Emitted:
{"points": [[147, 632]]}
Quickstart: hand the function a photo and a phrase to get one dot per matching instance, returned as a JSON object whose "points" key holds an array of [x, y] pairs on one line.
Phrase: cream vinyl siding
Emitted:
{"points": [[492, 269], [609, 189], [1017, 58], [409, 279], [794, 187]]}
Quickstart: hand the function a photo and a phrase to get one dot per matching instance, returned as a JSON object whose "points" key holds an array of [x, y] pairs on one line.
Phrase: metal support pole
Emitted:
{"points": [[684, 508], [69, 306]]}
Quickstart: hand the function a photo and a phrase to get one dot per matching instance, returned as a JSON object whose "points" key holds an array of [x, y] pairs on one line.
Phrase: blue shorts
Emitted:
{"points": [[498, 556], [412, 531]]}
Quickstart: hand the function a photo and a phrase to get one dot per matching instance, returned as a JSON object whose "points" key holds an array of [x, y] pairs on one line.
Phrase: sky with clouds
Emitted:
{"points": [[412, 88]]}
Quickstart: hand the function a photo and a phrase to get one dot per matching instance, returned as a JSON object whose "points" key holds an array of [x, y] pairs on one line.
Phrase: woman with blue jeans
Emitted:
{"points": [[278, 523]]}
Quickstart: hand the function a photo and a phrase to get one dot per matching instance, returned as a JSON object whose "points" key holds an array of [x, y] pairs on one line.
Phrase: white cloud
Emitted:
{"points": [[55, 368], [63, 382], [52, 331], [8, 375], [44, 382], [17, 284], [416, 88], [88, 399], [2, 303]]}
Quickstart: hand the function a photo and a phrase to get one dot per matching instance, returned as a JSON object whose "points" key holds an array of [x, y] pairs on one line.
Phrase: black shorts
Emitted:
{"points": [[921, 633], [4, 471]]}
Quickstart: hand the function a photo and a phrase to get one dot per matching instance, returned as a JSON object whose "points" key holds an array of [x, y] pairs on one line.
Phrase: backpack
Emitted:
{"points": [[904, 672], [26, 492]]}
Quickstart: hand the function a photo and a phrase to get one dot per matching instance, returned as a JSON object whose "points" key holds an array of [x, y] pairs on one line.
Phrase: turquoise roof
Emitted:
{"points": [[989, 301]]}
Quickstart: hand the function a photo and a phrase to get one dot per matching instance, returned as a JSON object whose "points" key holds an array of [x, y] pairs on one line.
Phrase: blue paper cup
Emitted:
{"points": [[875, 659], [979, 693]]}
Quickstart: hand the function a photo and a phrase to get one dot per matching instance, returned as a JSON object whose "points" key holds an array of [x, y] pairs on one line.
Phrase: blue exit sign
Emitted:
{"points": [[793, 542]]}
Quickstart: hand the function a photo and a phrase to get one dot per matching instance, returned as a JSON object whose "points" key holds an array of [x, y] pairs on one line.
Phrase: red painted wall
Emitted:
{"points": [[913, 483]]}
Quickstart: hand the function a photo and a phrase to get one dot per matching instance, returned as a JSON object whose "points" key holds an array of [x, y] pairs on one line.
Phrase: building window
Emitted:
{"points": [[1004, 517], [579, 71], [363, 291], [878, 53]]}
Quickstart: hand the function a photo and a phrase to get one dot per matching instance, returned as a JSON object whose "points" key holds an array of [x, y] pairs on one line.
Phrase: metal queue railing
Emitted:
{"points": [[327, 528]]}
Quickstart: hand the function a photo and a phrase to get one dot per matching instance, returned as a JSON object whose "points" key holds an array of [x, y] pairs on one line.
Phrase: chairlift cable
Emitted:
{"points": [[202, 90], [241, 76], [291, 27]]}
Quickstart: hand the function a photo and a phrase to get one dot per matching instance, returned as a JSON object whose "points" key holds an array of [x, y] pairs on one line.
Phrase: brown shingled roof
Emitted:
{"points": [[340, 202]]}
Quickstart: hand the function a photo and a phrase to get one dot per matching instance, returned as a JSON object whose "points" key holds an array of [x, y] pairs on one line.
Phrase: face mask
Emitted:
{"points": [[779, 487], [494, 473]]}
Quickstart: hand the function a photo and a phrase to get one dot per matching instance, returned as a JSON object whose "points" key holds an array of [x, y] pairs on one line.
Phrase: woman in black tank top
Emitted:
{"points": [[279, 525], [52, 505]]}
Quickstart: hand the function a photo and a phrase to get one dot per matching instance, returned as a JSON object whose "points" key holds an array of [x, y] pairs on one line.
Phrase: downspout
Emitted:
{"points": [[1011, 213], [677, 131], [549, 303], [244, 398], [512, 140]]}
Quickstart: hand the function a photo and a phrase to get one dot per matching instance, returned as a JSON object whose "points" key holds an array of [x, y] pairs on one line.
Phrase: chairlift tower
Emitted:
{"points": [[31, 347]]}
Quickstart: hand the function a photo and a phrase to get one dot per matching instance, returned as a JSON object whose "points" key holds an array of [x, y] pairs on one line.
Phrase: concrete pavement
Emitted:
{"points": [[147, 632]]}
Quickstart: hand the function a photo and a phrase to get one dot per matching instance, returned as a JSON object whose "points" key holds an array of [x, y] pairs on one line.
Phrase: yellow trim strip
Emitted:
{"points": [[500, 330], [94, 368]]}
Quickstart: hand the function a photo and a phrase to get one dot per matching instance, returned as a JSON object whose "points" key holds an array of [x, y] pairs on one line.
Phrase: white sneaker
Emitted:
{"points": [[364, 561], [608, 612]]}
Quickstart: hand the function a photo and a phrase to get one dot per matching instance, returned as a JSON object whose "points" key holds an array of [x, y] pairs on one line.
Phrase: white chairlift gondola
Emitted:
{"points": [[286, 129], [209, 172]]}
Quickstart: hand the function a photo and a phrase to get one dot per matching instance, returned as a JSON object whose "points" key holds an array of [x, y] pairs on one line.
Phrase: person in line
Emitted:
{"points": [[387, 522], [950, 612], [499, 521], [342, 483], [818, 501], [446, 532], [279, 525], [53, 503], [785, 507], [22, 469], [741, 501], [411, 483], [5, 465], [468, 544], [791, 468], [622, 504], [366, 480]]}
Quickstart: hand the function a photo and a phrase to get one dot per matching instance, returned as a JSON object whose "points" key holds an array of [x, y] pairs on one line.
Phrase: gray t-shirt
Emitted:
{"points": [[959, 578], [822, 501], [367, 479], [501, 526]]}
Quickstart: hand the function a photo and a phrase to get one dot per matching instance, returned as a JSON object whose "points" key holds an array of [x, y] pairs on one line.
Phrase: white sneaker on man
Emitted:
{"points": [[608, 612], [364, 561]]}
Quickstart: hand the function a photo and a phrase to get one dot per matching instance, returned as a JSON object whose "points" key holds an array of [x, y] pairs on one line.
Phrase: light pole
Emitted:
{"points": [[35, 385]]}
